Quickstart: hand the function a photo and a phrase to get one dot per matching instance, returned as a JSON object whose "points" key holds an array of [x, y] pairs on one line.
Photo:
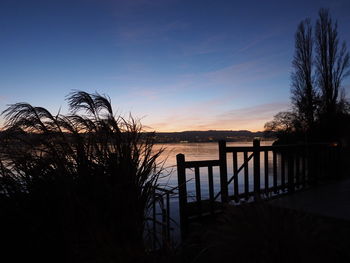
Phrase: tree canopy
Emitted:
{"points": [[320, 109]]}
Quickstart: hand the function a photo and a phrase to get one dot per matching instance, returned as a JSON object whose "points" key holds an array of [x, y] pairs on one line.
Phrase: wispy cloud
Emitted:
{"points": [[204, 117], [206, 45], [257, 40], [246, 73], [139, 31]]}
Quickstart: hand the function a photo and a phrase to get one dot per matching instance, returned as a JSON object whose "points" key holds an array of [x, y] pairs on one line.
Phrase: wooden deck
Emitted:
{"points": [[330, 200]]}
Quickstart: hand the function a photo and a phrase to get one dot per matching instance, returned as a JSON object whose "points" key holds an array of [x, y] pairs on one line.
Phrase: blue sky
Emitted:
{"points": [[178, 65]]}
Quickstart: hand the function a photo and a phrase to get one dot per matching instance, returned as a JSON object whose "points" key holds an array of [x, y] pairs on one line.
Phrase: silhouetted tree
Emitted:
{"points": [[332, 64], [303, 90], [282, 122], [320, 64], [285, 125]]}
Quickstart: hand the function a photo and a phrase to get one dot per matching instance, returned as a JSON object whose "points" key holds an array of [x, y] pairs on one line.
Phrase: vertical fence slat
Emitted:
{"points": [[198, 190], [310, 170], [328, 161], [246, 175], [154, 219], [266, 167], [211, 188], [223, 171], [304, 167], [324, 162], [168, 216], [274, 171], [235, 176], [291, 171], [338, 162], [181, 177], [283, 171], [256, 145], [297, 168], [164, 230], [318, 165]]}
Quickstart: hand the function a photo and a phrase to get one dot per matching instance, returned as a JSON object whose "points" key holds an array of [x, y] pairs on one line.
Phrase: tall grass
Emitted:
{"points": [[75, 187]]}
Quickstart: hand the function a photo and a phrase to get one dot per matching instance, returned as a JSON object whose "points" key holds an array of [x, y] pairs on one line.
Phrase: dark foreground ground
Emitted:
{"points": [[264, 233]]}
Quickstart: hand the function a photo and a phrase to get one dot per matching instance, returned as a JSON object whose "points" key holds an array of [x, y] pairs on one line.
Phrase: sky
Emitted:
{"points": [[177, 65]]}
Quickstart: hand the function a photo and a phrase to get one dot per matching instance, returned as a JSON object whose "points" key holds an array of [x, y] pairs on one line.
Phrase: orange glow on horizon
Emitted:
{"points": [[253, 127]]}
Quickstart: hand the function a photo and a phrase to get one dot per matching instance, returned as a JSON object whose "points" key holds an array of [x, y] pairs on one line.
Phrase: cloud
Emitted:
{"points": [[211, 44], [259, 67], [257, 41], [139, 31], [251, 118], [204, 116]]}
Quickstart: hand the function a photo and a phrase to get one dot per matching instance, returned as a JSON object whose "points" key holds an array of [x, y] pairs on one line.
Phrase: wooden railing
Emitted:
{"points": [[159, 217], [276, 170]]}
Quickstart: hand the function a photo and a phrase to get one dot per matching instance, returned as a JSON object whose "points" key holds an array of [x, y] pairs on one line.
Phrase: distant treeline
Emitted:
{"points": [[209, 136], [185, 136]]}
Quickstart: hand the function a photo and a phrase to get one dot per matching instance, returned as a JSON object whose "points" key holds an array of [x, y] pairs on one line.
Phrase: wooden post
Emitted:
{"points": [[198, 191], [266, 166], [283, 170], [164, 215], [223, 171], [211, 188], [235, 176], [297, 167], [303, 165], [154, 216], [256, 145], [168, 217], [310, 165], [275, 172], [246, 175], [291, 171], [181, 179], [337, 163]]}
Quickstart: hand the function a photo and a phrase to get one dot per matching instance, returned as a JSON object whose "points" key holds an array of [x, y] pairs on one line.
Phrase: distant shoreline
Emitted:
{"points": [[197, 136], [210, 136]]}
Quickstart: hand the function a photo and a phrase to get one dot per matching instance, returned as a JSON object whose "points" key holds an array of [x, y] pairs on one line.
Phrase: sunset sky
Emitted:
{"points": [[178, 65]]}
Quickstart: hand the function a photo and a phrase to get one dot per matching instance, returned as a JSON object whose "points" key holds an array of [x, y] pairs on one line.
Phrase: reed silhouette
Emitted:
{"points": [[75, 187]]}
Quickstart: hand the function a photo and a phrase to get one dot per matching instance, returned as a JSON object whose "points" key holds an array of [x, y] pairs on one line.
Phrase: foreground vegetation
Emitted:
{"points": [[80, 191]]}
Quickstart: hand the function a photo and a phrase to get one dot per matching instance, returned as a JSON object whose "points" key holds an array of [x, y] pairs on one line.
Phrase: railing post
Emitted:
{"points": [[291, 184], [181, 179], [223, 171], [338, 161], [154, 215], [256, 145], [164, 226]]}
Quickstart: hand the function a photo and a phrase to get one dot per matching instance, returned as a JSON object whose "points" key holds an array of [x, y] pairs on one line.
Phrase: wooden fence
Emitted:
{"points": [[294, 167], [158, 228]]}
